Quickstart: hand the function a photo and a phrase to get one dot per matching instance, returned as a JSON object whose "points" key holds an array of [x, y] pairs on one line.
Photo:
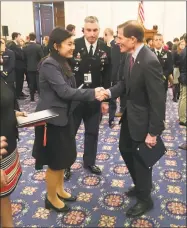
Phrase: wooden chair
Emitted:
{"points": [[149, 33]]}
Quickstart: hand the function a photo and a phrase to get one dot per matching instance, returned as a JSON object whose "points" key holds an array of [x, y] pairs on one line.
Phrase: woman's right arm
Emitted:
{"points": [[54, 76]]}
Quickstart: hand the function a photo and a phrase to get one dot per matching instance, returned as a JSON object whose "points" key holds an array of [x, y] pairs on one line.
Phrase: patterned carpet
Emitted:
{"points": [[101, 200]]}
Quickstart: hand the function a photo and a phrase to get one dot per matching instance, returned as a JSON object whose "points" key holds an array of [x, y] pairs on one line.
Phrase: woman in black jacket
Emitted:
{"points": [[57, 91], [10, 168], [45, 46]]}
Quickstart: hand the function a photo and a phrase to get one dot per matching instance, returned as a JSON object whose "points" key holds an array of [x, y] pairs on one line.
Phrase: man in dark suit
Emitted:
{"points": [[33, 54], [7, 67], [92, 67], [19, 64], [115, 61], [143, 119], [164, 57], [8, 72]]}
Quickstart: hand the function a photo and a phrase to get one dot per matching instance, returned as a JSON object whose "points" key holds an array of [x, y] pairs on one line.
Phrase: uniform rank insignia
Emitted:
{"points": [[78, 55]]}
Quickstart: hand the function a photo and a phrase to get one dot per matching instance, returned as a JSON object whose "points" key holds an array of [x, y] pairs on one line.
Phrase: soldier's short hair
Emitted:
{"points": [[91, 19], [157, 34]]}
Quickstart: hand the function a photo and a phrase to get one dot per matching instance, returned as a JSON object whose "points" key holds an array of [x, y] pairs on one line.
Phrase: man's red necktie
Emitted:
{"points": [[131, 62]]}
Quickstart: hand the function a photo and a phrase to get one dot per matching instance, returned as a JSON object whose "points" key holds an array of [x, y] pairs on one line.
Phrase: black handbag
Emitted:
{"points": [[149, 156]]}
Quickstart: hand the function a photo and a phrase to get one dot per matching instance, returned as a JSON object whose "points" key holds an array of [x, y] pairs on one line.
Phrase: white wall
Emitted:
{"points": [[175, 21], [18, 15], [170, 16]]}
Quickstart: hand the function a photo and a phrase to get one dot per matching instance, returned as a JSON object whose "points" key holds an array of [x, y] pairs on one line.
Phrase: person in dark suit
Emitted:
{"points": [[33, 54], [14, 45], [164, 57], [8, 66], [92, 67], [45, 46], [115, 62], [57, 91], [143, 119]]}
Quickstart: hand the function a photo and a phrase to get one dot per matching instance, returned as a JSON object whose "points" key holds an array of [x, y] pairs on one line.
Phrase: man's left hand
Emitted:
{"points": [[104, 108], [150, 141]]}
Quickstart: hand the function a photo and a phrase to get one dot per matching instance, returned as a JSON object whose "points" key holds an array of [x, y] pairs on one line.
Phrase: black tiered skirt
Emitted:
{"points": [[60, 150]]}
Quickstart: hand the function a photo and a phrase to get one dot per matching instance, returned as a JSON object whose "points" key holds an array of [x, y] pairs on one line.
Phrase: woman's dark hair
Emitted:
{"points": [[57, 36], [170, 45]]}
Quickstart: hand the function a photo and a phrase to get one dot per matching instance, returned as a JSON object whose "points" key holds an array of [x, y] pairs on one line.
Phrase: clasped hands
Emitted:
{"points": [[101, 94]]}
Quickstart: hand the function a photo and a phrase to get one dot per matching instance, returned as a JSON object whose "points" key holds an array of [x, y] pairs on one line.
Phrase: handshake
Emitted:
{"points": [[101, 94]]}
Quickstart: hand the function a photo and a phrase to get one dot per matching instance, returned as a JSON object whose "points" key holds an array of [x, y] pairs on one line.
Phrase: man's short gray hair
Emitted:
{"points": [[91, 19]]}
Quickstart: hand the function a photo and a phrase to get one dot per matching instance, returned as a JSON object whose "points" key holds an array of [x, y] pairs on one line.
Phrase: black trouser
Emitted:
{"points": [[33, 79], [90, 113], [27, 78], [112, 109], [141, 176], [166, 85], [176, 91], [19, 81]]}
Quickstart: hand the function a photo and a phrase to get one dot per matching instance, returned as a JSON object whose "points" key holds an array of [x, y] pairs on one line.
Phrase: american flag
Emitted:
{"points": [[141, 17]]}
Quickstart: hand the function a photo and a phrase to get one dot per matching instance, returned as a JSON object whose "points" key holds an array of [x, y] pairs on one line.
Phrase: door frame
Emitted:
{"points": [[40, 29]]}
